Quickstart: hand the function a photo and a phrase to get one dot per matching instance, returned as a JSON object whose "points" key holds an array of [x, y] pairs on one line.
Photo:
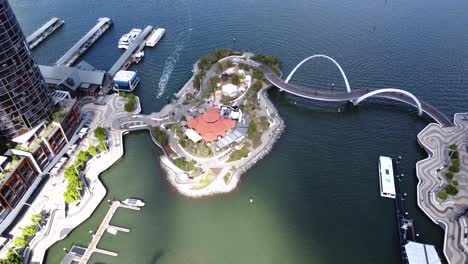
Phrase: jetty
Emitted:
{"points": [[44, 31], [85, 42], [92, 248], [127, 57]]}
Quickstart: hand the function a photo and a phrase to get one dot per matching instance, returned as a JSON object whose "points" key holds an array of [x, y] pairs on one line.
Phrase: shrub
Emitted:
{"points": [[239, 154], [100, 133], [227, 178], [442, 195], [454, 168], [29, 231], [21, 242], [92, 151], [455, 183], [449, 175], [160, 136], [185, 165], [453, 147], [82, 157], [455, 155], [236, 80], [102, 146], [452, 190], [130, 105]]}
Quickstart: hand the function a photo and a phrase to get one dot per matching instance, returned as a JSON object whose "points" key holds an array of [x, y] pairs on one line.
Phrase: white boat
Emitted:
{"points": [[133, 202], [155, 37], [127, 39], [387, 180]]}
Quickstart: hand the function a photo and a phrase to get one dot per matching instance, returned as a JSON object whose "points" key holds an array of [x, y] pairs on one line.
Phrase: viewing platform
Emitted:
{"points": [[127, 57], [92, 248], [85, 42], [44, 31]]}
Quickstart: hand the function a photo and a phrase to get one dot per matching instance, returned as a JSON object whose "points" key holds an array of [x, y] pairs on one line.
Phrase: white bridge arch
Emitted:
{"points": [[348, 88], [390, 90]]}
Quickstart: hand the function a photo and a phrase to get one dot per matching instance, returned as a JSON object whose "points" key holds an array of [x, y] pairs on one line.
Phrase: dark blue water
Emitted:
{"points": [[317, 193]]}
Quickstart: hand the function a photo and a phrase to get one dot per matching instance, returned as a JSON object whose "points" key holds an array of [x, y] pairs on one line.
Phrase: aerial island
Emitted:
{"points": [[219, 125]]}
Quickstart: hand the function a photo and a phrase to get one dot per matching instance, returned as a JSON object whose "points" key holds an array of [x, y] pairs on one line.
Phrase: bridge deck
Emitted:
{"points": [[337, 96]]}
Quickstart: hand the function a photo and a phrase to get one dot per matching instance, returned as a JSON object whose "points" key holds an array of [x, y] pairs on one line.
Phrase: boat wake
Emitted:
{"points": [[171, 61]]}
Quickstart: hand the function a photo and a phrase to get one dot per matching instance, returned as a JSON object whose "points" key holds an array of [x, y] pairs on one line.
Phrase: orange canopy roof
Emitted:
{"points": [[211, 125]]}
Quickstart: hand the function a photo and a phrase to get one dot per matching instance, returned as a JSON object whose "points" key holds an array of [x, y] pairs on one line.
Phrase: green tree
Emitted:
{"points": [[452, 190], [21, 242], [12, 258], [454, 168], [455, 155], [82, 157], [453, 147], [455, 183], [29, 231], [102, 146], [100, 133], [235, 79], [71, 195], [92, 151], [443, 195], [449, 175]]}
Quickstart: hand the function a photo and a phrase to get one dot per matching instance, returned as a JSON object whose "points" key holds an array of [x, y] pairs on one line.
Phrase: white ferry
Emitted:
{"points": [[155, 37], [133, 202], [387, 180], [127, 39]]}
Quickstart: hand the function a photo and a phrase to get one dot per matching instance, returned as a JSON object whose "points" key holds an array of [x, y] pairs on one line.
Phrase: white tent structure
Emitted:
{"points": [[418, 253]]}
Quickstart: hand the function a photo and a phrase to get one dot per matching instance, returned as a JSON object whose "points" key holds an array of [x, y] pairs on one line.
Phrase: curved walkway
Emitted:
{"points": [[356, 96]]}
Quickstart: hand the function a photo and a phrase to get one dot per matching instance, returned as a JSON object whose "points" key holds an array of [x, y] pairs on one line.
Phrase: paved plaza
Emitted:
{"points": [[450, 214]]}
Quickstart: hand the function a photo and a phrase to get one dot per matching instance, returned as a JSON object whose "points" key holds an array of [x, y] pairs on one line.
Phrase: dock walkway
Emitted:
{"points": [[44, 31], [92, 248], [85, 42]]}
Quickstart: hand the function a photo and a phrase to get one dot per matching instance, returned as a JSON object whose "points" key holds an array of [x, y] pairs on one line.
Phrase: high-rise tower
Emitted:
{"points": [[24, 98]]}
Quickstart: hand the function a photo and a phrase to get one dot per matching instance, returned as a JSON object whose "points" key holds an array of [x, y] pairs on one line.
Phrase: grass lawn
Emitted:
{"points": [[207, 179], [227, 178]]}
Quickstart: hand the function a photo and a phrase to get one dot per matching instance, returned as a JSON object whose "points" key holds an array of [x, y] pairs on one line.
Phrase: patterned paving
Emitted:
{"points": [[448, 214]]}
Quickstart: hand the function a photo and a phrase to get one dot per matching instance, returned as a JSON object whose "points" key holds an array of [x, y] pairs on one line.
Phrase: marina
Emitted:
{"points": [[133, 53], [85, 42], [105, 225], [44, 31]]}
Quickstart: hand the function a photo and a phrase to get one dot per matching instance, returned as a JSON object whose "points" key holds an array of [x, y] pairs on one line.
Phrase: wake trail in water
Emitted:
{"points": [[171, 61]]}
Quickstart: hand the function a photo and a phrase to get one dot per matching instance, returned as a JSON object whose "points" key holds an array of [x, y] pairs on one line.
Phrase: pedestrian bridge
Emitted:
{"points": [[354, 96]]}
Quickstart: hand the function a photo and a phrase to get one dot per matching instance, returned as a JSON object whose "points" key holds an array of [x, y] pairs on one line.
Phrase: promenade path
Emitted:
{"points": [[450, 214]]}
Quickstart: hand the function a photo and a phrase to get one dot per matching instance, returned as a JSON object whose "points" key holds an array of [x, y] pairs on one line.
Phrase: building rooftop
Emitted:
{"points": [[211, 125], [10, 168], [421, 253], [72, 77], [124, 76]]}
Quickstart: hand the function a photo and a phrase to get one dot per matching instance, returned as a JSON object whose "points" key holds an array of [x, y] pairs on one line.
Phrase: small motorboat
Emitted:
{"points": [[133, 202]]}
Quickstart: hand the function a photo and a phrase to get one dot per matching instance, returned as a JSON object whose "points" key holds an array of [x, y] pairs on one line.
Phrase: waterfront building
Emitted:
{"points": [[24, 100], [36, 152], [126, 81], [211, 125], [83, 79]]}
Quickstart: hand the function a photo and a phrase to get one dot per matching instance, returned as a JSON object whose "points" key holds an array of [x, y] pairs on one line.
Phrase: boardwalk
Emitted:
{"points": [[92, 248]]}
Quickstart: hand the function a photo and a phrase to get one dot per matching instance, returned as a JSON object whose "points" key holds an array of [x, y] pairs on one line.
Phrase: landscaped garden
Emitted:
{"points": [[453, 170]]}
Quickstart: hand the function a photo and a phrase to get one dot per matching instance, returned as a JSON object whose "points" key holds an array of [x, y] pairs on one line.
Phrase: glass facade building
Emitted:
{"points": [[24, 96]]}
